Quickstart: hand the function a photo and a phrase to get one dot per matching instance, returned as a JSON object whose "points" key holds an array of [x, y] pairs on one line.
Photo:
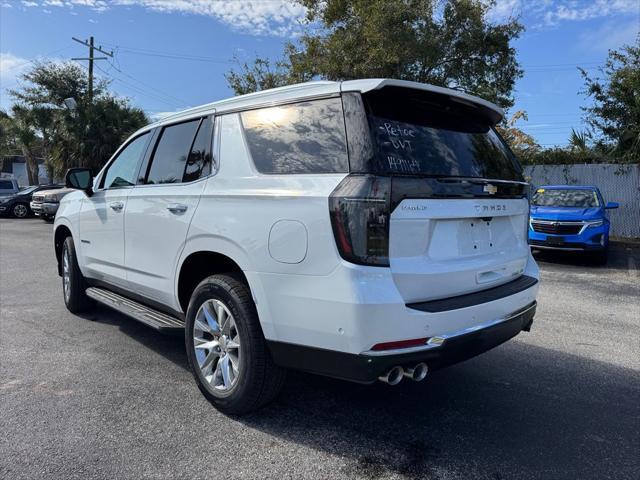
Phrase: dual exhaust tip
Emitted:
{"points": [[395, 375]]}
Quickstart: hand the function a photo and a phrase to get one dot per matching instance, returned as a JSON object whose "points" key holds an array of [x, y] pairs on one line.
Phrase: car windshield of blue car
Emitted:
{"points": [[565, 198]]}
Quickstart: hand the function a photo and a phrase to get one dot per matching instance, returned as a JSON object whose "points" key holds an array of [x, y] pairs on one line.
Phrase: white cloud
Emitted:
{"points": [[274, 17], [553, 12], [255, 17], [10, 67], [504, 9], [574, 10]]}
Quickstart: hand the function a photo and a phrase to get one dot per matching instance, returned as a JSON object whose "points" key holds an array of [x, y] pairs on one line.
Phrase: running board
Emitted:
{"points": [[137, 311]]}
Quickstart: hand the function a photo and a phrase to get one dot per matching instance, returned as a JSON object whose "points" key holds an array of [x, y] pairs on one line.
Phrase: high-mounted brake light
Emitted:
{"points": [[360, 209]]}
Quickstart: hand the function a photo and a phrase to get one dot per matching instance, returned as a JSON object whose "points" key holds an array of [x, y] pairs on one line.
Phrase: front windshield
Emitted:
{"points": [[28, 189], [565, 198]]}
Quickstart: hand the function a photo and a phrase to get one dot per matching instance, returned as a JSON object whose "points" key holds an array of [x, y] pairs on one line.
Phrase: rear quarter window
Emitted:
{"points": [[305, 137]]}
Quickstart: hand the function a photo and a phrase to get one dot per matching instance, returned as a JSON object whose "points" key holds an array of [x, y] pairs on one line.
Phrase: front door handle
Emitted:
{"points": [[177, 207], [116, 206]]}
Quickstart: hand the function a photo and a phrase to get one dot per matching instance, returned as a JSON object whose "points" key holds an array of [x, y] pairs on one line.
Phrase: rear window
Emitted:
{"points": [[425, 134], [565, 198], [306, 137]]}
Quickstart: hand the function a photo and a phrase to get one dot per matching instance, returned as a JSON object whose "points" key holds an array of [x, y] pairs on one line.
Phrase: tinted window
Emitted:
{"points": [[170, 157], [305, 137], [417, 133], [122, 172], [565, 198], [6, 185], [200, 159]]}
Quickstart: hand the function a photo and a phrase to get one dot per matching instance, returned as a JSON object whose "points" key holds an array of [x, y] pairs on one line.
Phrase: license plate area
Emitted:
{"points": [[555, 240]]}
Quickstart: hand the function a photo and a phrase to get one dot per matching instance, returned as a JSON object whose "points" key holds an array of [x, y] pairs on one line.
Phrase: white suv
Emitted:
{"points": [[367, 229]]}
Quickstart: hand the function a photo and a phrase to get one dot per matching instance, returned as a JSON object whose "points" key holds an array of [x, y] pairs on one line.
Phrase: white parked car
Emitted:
{"points": [[368, 229]]}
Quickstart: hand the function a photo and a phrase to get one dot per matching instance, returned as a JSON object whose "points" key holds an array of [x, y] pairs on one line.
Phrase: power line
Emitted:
{"points": [[172, 55], [137, 89], [577, 64], [161, 92], [91, 59]]}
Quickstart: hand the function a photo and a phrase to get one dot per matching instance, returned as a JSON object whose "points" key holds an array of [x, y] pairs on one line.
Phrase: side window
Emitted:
{"points": [[172, 150], [306, 137], [6, 185], [199, 162], [122, 171]]}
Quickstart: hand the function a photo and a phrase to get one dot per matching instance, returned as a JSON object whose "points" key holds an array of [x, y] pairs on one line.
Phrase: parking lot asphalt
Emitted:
{"points": [[106, 397]]}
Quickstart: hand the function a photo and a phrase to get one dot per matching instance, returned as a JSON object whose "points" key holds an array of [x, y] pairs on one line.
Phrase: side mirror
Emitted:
{"points": [[79, 178], [612, 205]]}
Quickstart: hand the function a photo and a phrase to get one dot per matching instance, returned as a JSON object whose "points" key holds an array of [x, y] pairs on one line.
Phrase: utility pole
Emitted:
{"points": [[91, 59]]}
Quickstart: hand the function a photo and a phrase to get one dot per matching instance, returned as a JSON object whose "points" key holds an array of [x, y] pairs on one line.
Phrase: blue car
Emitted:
{"points": [[570, 218]]}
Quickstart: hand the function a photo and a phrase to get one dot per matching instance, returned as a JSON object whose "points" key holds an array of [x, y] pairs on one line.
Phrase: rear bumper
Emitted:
{"points": [[322, 323], [368, 366]]}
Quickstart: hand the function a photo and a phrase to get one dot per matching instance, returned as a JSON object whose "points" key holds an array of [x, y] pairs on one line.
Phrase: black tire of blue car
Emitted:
{"points": [[259, 380], [20, 210], [601, 257], [76, 300], [46, 218]]}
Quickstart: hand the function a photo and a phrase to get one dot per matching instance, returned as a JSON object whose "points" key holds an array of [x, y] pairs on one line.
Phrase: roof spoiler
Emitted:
{"points": [[490, 110]]}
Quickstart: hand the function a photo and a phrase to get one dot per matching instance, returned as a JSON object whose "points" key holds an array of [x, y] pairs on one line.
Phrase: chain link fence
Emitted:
{"points": [[618, 183]]}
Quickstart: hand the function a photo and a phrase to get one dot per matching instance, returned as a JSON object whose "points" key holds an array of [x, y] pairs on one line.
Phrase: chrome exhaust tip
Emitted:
{"points": [[417, 373], [393, 376]]}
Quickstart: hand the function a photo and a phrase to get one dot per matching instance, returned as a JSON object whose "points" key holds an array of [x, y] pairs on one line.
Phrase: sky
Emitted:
{"points": [[173, 54]]}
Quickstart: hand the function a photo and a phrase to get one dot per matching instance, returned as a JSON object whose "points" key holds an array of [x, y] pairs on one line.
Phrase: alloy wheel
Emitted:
{"points": [[20, 211], [66, 274], [216, 341]]}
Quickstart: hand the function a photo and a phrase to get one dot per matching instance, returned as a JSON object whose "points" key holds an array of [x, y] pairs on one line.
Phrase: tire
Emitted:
{"points": [[252, 379], [47, 218], [601, 257], [73, 283], [20, 210]]}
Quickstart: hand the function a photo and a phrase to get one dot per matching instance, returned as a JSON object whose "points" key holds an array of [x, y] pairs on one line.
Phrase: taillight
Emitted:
{"points": [[414, 342], [360, 208]]}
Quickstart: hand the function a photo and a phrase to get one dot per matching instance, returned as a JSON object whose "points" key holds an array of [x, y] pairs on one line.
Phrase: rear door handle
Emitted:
{"points": [[116, 206], [177, 207]]}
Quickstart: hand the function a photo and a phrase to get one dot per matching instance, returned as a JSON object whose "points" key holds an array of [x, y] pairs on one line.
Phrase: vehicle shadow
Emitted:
{"points": [[622, 256], [518, 411], [168, 345]]}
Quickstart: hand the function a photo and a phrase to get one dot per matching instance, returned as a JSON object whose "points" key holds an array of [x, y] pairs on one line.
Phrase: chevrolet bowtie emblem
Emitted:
{"points": [[490, 189]]}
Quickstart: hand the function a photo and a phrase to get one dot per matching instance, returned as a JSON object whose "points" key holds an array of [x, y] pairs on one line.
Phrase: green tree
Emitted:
{"points": [[8, 145], [523, 145], [85, 135], [614, 116], [263, 74], [449, 43]]}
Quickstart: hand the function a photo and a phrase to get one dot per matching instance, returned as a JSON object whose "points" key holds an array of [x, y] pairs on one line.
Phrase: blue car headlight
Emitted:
{"points": [[594, 223]]}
